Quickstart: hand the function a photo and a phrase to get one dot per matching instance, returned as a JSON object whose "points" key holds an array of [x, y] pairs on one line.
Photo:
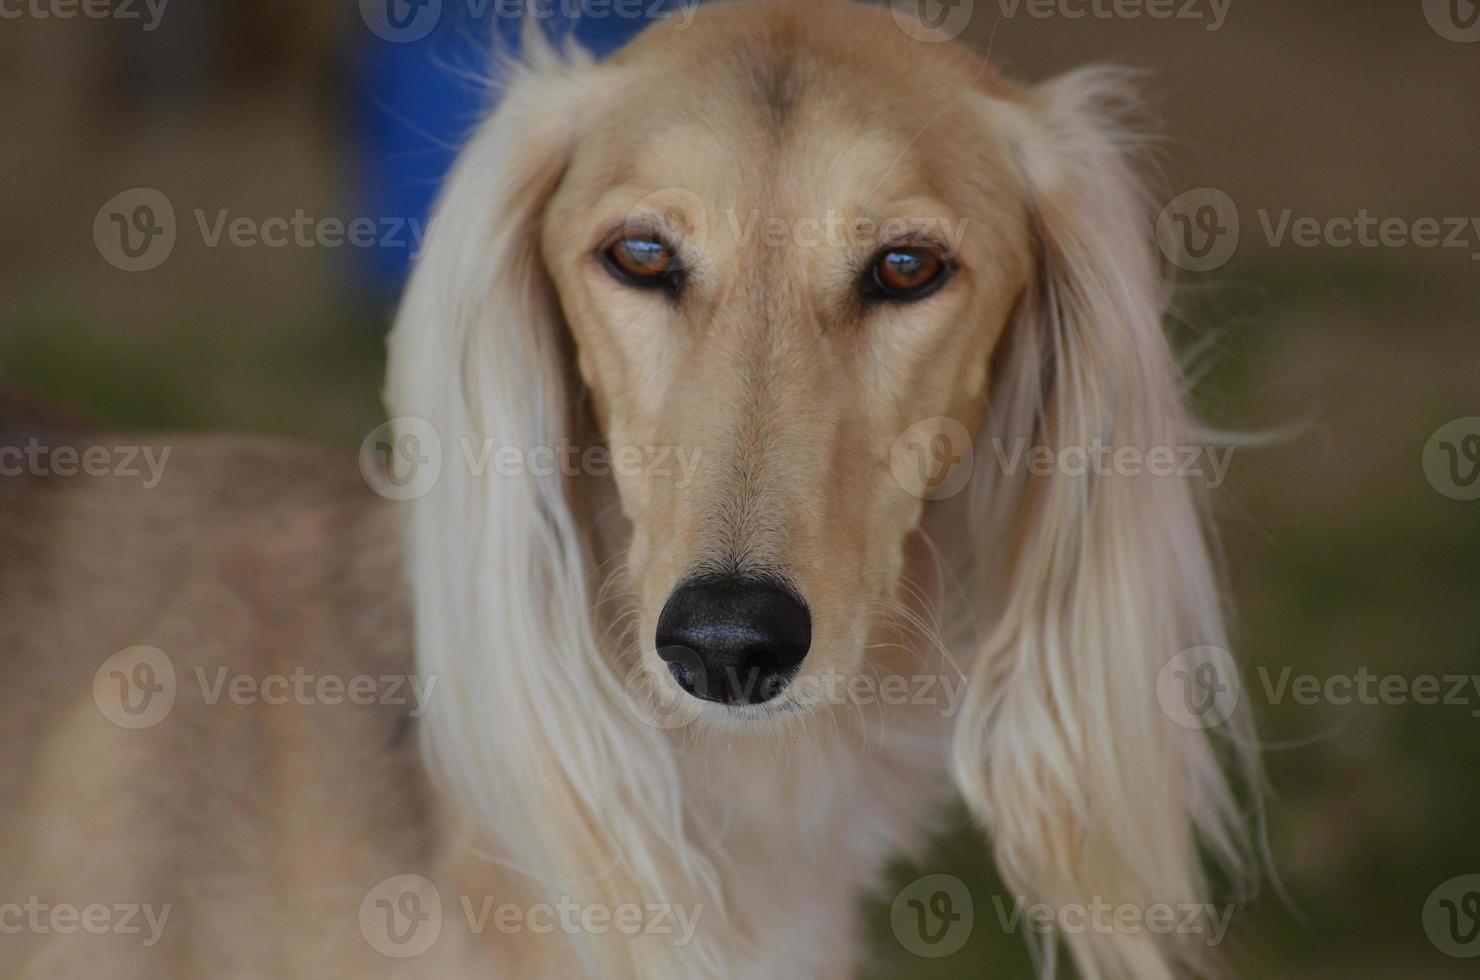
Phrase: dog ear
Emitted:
{"points": [[1097, 571], [529, 732]]}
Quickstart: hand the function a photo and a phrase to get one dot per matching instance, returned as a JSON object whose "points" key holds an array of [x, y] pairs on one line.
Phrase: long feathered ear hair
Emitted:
{"points": [[530, 734], [1090, 584]]}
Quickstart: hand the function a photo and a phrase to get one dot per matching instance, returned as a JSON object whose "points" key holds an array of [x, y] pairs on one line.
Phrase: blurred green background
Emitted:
{"points": [[1343, 555]]}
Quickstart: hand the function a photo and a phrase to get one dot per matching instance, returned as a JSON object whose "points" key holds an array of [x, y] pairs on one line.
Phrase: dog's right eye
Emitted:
{"points": [[643, 260]]}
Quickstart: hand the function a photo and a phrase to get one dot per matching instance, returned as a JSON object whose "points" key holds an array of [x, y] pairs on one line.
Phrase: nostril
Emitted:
{"points": [[684, 664], [733, 639]]}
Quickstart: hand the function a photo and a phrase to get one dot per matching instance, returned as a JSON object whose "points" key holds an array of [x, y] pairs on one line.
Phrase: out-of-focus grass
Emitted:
{"points": [[318, 380]]}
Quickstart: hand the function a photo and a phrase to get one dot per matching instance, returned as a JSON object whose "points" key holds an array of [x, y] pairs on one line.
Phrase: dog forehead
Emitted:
{"points": [[733, 159], [797, 106], [731, 164]]}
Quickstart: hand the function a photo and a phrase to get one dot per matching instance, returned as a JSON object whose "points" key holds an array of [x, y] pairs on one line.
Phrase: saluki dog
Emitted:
{"points": [[734, 525]]}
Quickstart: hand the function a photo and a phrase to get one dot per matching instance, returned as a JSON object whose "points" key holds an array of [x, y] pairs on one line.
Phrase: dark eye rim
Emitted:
{"points": [[669, 281], [877, 291]]}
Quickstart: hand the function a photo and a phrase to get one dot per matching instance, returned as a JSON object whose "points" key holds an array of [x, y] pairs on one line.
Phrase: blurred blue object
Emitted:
{"points": [[418, 90]]}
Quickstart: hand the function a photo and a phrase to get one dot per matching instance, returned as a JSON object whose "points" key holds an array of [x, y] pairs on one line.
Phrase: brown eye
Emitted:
{"points": [[642, 260], [908, 273]]}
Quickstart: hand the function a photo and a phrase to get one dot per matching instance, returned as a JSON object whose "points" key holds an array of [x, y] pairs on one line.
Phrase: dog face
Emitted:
{"points": [[772, 271]]}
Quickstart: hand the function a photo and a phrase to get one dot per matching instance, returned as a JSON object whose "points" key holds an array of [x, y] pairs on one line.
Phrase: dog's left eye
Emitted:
{"points": [[906, 273], [642, 260]]}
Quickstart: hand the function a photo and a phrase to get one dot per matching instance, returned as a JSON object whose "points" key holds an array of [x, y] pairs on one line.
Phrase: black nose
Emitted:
{"points": [[733, 640]]}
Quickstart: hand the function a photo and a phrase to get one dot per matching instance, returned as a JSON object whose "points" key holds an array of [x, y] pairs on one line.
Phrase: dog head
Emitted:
{"points": [[771, 273], [813, 287]]}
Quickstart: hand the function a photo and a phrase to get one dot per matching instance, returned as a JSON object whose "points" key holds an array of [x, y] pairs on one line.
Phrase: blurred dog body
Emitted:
{"points": [[517, 779]]}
